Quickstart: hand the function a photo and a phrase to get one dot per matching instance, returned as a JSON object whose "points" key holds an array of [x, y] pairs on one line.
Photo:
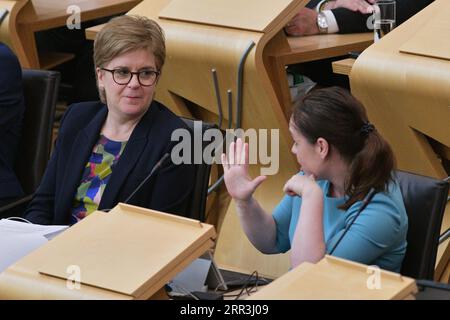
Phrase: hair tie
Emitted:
{"points": [[367, 128]]}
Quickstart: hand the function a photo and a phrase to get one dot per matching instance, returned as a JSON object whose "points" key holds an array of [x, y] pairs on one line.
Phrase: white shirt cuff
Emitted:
{"points": [[319, 4], [331, 20]]}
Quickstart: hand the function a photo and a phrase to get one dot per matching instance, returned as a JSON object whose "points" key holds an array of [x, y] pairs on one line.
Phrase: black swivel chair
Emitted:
{"points": [[40, 92], [425, 199], [197, 206]]}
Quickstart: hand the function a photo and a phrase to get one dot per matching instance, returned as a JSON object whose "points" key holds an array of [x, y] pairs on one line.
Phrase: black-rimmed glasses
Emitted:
{"points": [[146, 78]]}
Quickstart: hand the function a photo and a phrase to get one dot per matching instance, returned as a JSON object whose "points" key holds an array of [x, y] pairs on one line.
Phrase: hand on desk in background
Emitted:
{"points": [[303, 23]]}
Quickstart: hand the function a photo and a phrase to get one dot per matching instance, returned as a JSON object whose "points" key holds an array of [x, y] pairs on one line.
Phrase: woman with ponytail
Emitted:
{"points": [[344, 202]]}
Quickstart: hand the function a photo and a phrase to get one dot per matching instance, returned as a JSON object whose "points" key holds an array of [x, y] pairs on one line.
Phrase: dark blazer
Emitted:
{"points": [[11, 112], [352, 22], [168, 190]]}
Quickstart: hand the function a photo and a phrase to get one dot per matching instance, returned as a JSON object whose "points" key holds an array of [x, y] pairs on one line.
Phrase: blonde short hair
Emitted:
{"points": [[128, 33]]}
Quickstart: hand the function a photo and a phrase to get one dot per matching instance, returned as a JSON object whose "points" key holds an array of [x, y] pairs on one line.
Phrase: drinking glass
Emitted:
{"points": [[384, 18]]}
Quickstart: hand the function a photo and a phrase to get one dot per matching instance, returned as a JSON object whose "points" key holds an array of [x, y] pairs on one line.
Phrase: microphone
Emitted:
{"points": [[366, 201], [157, 166]]}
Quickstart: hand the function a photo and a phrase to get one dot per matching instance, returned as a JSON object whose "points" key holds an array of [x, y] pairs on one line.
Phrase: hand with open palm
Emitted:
{"points": [[239, 184]]}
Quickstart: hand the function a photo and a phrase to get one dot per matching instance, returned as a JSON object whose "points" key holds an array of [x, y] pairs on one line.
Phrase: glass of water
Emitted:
{"points": [[384, 18]]}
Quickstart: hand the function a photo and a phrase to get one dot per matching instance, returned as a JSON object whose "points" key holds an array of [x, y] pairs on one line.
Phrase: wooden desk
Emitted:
{"points": [[403, 81], [344, 66], [311, 48], [38, 15]]}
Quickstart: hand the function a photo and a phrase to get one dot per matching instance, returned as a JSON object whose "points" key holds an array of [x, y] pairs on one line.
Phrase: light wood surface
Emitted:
{"points": [[253, 15], [407, 95], [91, 32], [303, 49], [343, 67], [38, 15], [423, 44], [333, 278], [127, 253], [8, 28]]}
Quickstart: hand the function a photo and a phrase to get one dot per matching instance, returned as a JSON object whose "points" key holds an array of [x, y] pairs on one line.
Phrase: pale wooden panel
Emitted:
{"points": [[24, 282], [91, 32], [334, 278], [5, 33], [36, 15], [103, 248], [424, 44], [129, 250], [407, 96], [343, 67], [45, 14], [319, 47], [254, 15]]}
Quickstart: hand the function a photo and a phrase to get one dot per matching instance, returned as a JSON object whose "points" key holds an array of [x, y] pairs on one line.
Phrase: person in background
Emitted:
{"points": [[339, 16], [12, 107], [345, 162], [345, 16], [106, 148]]}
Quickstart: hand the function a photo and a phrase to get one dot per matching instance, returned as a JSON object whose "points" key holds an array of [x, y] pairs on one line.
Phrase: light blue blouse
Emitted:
{"points": [[377, 237]]}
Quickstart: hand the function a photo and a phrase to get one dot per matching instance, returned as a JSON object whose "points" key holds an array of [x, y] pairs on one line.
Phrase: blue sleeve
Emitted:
{"points": [[282, 216], [373, 232]]}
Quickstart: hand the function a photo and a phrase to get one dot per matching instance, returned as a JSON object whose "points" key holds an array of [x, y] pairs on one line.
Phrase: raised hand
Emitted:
{"points": [[239, 184]]}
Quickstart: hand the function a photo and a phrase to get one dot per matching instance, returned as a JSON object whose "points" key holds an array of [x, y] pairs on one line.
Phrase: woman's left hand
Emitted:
{"points": [[298, 185]]}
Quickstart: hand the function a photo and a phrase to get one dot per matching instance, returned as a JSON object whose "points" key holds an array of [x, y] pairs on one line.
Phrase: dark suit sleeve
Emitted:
{"points": [[41, 210], [11, 94], [353, 22], [174, 189]]}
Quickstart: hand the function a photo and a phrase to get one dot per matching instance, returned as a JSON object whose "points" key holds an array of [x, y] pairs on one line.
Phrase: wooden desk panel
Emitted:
{"points": [[46, 14], [344, 66], [407, 97], [311, 48], [38, 15]]}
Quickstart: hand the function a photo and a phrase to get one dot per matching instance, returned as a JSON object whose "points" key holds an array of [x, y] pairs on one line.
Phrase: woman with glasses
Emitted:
{"points": [[106, 149]]}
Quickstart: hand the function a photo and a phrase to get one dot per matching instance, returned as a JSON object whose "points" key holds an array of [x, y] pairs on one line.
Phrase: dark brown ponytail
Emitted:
{"points": [[336, 116]]}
